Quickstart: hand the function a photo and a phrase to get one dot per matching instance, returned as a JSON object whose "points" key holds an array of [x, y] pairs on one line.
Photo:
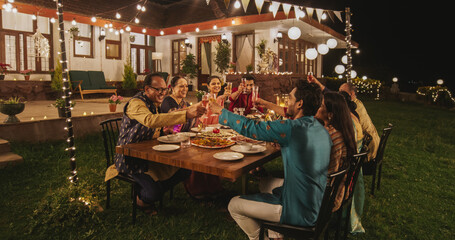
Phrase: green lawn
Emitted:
{"points": [[416, 200]]}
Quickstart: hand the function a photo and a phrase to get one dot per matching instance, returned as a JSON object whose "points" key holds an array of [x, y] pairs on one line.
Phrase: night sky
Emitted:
{"points": [[410, 42]]}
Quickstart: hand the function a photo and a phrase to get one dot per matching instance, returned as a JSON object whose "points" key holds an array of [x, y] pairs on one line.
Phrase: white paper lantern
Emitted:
{"points": [[440, 82], [353, 74], [294, 33], [311, 53], [394, 79], [323, 49], [339, 69], [332, 43], [344, 59]]}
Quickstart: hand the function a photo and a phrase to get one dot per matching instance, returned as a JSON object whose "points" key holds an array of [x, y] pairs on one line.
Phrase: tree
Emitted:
{"points": [[129, 77], [223, 56]]}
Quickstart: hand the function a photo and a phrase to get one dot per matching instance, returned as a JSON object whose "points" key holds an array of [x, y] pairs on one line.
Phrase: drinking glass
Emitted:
{"points": [[212, 98], [228, 89], [244, 85], [185, 137], [205, 103], [254, 97]]}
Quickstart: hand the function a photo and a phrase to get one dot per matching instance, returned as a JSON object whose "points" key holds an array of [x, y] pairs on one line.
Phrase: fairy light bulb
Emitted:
{"points": [[237, 4], [93, 19], [197, 29], [118, 16]]}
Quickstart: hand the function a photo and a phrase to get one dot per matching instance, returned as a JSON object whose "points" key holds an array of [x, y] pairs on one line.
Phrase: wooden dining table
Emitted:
{"points": [[201, 159]]}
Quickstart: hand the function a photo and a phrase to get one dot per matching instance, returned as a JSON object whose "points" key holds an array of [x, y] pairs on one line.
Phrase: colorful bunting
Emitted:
{"points": [[259, 4], [245, 4], [286, 8], [319, 13], [226, 3], [309, 12], [338, 14], [275, 6], [298, 12]]}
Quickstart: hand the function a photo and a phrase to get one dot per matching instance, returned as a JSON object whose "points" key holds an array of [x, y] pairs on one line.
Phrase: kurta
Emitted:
{"points": [[368, 127], [243, 101], [305, 149]]}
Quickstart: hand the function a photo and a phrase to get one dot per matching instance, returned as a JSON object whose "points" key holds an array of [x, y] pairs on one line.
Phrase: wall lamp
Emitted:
{"points": [[279, 36], [102, 34], [188, 44], [224, 38]]}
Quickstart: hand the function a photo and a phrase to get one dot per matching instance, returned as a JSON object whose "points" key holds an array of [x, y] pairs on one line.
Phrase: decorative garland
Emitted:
{"points": [[434, 92]]}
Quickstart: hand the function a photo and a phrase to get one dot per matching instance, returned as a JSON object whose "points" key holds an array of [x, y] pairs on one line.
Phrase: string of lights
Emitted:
{"points": [[71, 149], [348, 44]]}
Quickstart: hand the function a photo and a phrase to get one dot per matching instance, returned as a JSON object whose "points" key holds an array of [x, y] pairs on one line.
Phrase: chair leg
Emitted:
{"points": [[379, 176], [261, 233], [108, 194], [373, 180], [134, 202]]}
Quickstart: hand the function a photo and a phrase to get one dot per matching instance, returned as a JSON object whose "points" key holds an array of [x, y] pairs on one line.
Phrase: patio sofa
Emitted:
{"points": [[88, 82]]}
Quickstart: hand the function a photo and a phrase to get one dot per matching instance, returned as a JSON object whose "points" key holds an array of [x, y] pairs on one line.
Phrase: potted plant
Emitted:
{"points": [[260, 47], [60, 105], [147, 71], [11, 107], [190, 68], [232, 67], [222, 56], [113, 101], [26, 73], [129, 82], [74, 31], [249, 68], [199, 95], [3, 69]]}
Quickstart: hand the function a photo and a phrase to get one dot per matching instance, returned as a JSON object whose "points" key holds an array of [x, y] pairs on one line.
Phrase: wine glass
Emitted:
{"points": [[212, 98], [244, 85], [228, 89], [205, 103], [254, 97]]}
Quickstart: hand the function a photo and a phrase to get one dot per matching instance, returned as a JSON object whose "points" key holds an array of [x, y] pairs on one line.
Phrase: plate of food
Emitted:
{"points": [[217, 133], [212, 142], [166, 147], [228, 156]]}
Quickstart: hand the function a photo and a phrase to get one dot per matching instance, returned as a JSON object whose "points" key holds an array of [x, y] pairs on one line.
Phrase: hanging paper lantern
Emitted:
{"points": [[332, 43], [323, 49], [311, 53], [344, 59], [294, 33], [395, 79], [339, 69], [353, 74], [440, 81]]}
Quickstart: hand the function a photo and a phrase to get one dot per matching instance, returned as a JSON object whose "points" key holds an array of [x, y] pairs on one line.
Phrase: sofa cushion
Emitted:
{"points": [[76, 76]]}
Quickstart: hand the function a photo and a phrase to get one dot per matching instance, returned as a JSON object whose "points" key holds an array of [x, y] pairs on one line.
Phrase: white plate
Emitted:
{"points": [[164, 139], [166, 147], [254, 149], [191, 134], [228, 156]]}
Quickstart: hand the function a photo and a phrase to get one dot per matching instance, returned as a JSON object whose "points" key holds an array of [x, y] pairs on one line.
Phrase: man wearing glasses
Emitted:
{"points": [[141, 121]]}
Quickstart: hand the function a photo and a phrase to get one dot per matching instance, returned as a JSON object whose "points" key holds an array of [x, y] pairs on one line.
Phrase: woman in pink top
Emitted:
{"points": [[214, 86], [201, 185]]}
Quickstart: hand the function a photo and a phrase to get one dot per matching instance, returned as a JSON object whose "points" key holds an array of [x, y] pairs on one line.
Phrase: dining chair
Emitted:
{"points": [[110, 130], [375, 165], [325, 213], [355, 165]]}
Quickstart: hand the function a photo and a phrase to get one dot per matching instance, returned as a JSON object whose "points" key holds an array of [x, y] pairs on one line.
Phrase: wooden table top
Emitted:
{"points": [[199, 159]]}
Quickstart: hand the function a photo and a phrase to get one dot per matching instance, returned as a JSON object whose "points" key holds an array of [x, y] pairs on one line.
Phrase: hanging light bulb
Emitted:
{"points": [[339, 69], [121, 30], [197, 29], [118, 16], [106, 25], [323, 49], [395, 79], [111, 29], [215, 27], [73, 22], [116, 32], [143, 9], [128, 28], [93, 19], [294, 33], [34, 17], [179, 31], [344, 59], [136, 20], [144, 30], [440, 81], [324, 16], [14, 10], [161, 32], [332, 43], [311, 53], [52, 20], [237, 4], [110, 25], [138, 7], [233, 21]]}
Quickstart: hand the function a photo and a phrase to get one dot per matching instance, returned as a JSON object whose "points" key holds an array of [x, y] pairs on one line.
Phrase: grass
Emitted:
{"points": [[415, 201]]}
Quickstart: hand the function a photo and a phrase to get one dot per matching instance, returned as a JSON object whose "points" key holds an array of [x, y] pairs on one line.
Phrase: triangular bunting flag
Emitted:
{"points": [[286, 8], [338, 14], [330, 13], [275, 6], [259, 4], [319, 13], [226, 3], [245, 4], [208, 2], [309, 12]]}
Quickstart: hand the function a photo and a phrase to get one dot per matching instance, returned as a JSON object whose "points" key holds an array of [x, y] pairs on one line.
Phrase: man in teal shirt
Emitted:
{"points": [[305, 148]]}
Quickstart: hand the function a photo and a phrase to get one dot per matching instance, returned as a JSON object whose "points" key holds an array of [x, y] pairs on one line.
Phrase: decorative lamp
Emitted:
{"points": [[332, 43], [279, 36], [440, 81], [339, 69], [323, 49], [294, 33], [311, 53], [344, 59], [102, 34], [353, 74], [394, 79], [187, 43]]}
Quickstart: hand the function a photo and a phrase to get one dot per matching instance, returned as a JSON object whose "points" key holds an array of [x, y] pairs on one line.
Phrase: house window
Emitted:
{"points": [[17, 45], [178, 55], [291, 55], [83, 43], [243, 51], [113, 45], [141, 53]]}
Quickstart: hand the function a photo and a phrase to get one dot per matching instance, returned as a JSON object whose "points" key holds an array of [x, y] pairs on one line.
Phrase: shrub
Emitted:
{"points": [[57, 79], [222, 56], [129, 77]]}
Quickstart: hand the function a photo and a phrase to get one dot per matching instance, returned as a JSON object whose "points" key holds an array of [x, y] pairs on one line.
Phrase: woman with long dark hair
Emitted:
{"points": [[335, 114]]}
